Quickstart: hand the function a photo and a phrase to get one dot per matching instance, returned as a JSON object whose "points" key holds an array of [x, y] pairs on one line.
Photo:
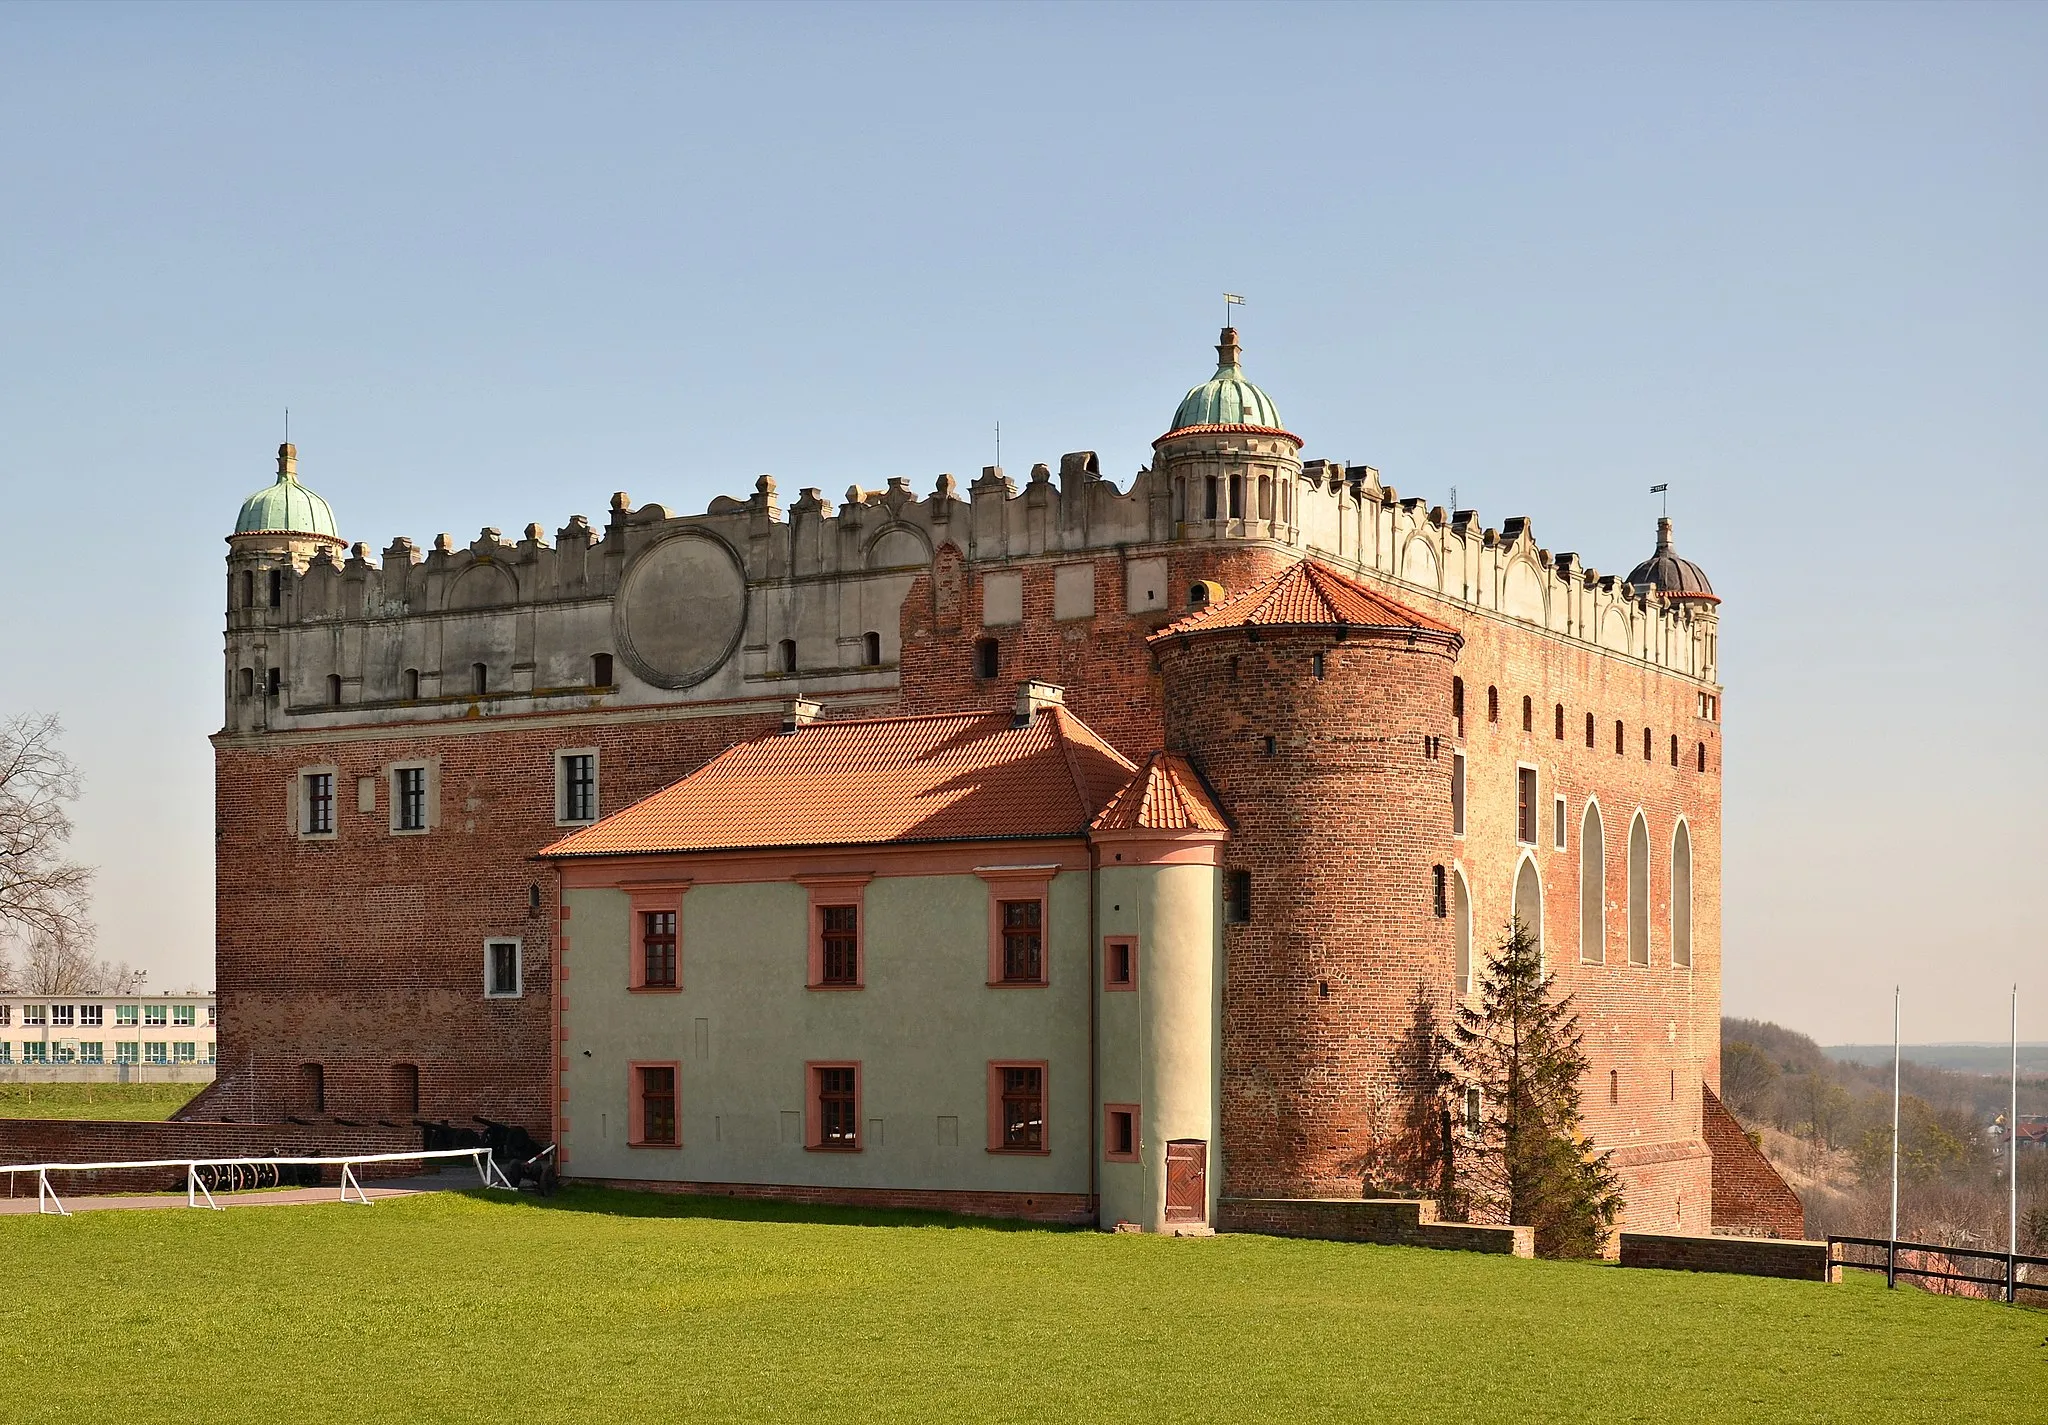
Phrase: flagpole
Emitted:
{"points": [[1891, 1256], [2012, 1164]]}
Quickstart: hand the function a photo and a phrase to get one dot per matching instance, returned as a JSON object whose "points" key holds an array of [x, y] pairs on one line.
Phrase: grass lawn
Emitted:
{"points": [[128, 1102], [616, 1307]]}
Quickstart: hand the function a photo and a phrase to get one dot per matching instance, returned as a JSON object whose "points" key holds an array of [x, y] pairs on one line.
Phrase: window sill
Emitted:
{"points": [[831, 1148], [1019, 984], [319, 836], [821, 985], [670, 1146], [654, 989], [510, 994], [1126, 987], [1121, 1158], [1022, 1152]]}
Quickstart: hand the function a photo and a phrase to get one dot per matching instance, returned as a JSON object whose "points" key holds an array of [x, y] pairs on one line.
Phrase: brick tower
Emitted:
{"points": [[1320, 712]]}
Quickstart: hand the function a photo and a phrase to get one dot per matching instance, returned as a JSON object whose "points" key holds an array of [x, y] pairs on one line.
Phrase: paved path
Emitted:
{"points": [[280, 1197]]}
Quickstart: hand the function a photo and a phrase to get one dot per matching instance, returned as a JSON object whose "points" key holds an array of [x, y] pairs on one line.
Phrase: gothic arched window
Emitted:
{"points": [[1592, 887], [1639, 891], [1681, 896]]}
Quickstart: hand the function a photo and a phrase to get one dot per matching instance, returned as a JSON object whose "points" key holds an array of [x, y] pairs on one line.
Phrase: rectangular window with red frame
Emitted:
{"points": [[838, 1094], [658, 949], [839, 935], [1119, 962], [1120, 1132], [1023, 942], [1018, 1100], [657, 1090]]}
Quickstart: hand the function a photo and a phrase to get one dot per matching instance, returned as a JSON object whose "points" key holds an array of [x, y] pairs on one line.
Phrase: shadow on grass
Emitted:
{"points": [[617, 1202]]}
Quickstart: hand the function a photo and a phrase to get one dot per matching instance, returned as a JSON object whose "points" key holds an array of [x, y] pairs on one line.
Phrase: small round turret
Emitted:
{"points": [[1670, 575]]}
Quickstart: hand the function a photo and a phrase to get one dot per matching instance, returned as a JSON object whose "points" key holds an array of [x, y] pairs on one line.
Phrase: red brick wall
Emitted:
{"points": [[1796, 1261], [366, 951], [1749, 1196], [1655, 1028], [50, 1140], [1341, 980], [1390, 1222]]}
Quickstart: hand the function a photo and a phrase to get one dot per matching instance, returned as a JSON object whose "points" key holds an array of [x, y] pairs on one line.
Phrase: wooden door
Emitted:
{"points": [[1187, 1180]]}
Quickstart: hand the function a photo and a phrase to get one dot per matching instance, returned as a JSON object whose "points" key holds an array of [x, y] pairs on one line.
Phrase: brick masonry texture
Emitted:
{"points": [[1749, 1196], [1068, 1209], [365, 952], [1748, 1256], [1341, 979], [1392, 1222], [41, 1140]]}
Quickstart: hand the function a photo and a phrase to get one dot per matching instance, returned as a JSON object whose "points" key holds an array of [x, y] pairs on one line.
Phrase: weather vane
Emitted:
{"points": [[1665, 491], [1230, 299]]}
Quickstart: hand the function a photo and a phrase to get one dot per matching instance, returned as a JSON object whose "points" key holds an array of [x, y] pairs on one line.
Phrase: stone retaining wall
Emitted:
{"points": [[1393, 1222], [1796, 1260]]}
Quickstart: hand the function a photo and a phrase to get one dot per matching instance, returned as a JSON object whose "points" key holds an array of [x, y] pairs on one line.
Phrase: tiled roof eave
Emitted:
{"points": [[1231, 429], [1448, 636], [551, 853]]}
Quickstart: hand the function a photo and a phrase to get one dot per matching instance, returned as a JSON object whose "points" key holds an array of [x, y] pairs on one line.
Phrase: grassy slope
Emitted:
{"points": [[126, 1102], [613, 1308]]}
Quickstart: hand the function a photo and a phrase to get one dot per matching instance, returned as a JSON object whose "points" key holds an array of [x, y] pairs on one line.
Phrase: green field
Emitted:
{"points": [[615, 1307], [127, 1102]]}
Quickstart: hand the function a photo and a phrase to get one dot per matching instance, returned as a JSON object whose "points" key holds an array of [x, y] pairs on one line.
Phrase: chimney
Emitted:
{"points": [[800, 712], [1034, 697]]}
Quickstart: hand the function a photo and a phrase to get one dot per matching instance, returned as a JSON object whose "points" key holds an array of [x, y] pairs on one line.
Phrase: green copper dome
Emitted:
{"points": [[1227, 399], [286, 507]]}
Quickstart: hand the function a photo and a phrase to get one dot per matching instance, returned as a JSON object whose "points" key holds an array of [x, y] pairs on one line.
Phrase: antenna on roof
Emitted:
{"points": [[287, 425], [999, 445], [1665, 491]]}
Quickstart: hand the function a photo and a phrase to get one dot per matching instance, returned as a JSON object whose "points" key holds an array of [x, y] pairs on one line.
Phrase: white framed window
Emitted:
{"points": [[156, 1051], [127, 1014], [90, 1016], [504, 970], [415, 794], [576, 786], [60, 1016], [185, 1051], [185, 1015], [156, 1014], [1557, 820], [127, 1051], [314, 803], [33, 1015], [92, 1051]]}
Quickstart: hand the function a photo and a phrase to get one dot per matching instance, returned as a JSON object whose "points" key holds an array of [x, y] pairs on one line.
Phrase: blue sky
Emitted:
{"points": [[501, 261]]}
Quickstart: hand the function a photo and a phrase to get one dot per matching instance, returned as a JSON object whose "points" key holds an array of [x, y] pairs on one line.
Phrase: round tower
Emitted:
{"points": [[280, 528], [1231, 467], [1319, 711]]}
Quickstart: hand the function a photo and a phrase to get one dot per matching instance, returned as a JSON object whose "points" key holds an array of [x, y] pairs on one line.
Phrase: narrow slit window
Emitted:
{"points": [[479, 678], [1558, 732], [871, 650], [600, 670], [1438, 895], [1525, 810], [1458, 706], [1528, 714], [1457, 794], [1493, 704], [412, 684], [1589, 730], [988, 658], [785, 656]]}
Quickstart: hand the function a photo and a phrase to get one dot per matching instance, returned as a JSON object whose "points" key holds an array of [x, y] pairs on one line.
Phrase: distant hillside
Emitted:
{"points": [[1993, 1059], [1824, 1118]]}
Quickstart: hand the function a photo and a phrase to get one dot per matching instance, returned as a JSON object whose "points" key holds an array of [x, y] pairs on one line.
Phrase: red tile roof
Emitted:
{"points": [[1166, 795], [1307, 594], [1231, 428], [958, 777]]}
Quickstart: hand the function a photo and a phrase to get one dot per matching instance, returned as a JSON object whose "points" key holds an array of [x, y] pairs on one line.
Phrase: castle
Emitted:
{"points": [[1063, 851]]}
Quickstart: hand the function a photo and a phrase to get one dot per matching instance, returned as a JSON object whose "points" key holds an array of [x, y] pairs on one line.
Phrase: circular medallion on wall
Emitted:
{"points": [[681, 609]]}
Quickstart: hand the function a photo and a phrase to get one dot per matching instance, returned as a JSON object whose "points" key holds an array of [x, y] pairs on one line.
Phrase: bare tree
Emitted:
{"points": [[43, 895], [63, 964]]}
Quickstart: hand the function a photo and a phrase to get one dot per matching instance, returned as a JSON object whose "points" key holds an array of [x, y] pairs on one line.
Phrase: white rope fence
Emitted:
{"points": [[49, 1204]]}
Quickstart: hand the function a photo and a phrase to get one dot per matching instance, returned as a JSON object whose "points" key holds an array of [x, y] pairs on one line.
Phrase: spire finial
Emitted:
{"points": [[1227, 351]]}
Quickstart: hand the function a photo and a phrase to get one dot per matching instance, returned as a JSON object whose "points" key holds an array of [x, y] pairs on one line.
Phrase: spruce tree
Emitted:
{"points": [[1526, 1160]]}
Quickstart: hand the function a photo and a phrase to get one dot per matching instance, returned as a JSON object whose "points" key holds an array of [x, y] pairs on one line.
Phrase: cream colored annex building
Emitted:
{"points": [[853, 962]]}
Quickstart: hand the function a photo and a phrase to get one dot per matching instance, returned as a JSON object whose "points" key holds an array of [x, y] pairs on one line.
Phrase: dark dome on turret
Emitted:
{"points": [[1670, 575]]}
